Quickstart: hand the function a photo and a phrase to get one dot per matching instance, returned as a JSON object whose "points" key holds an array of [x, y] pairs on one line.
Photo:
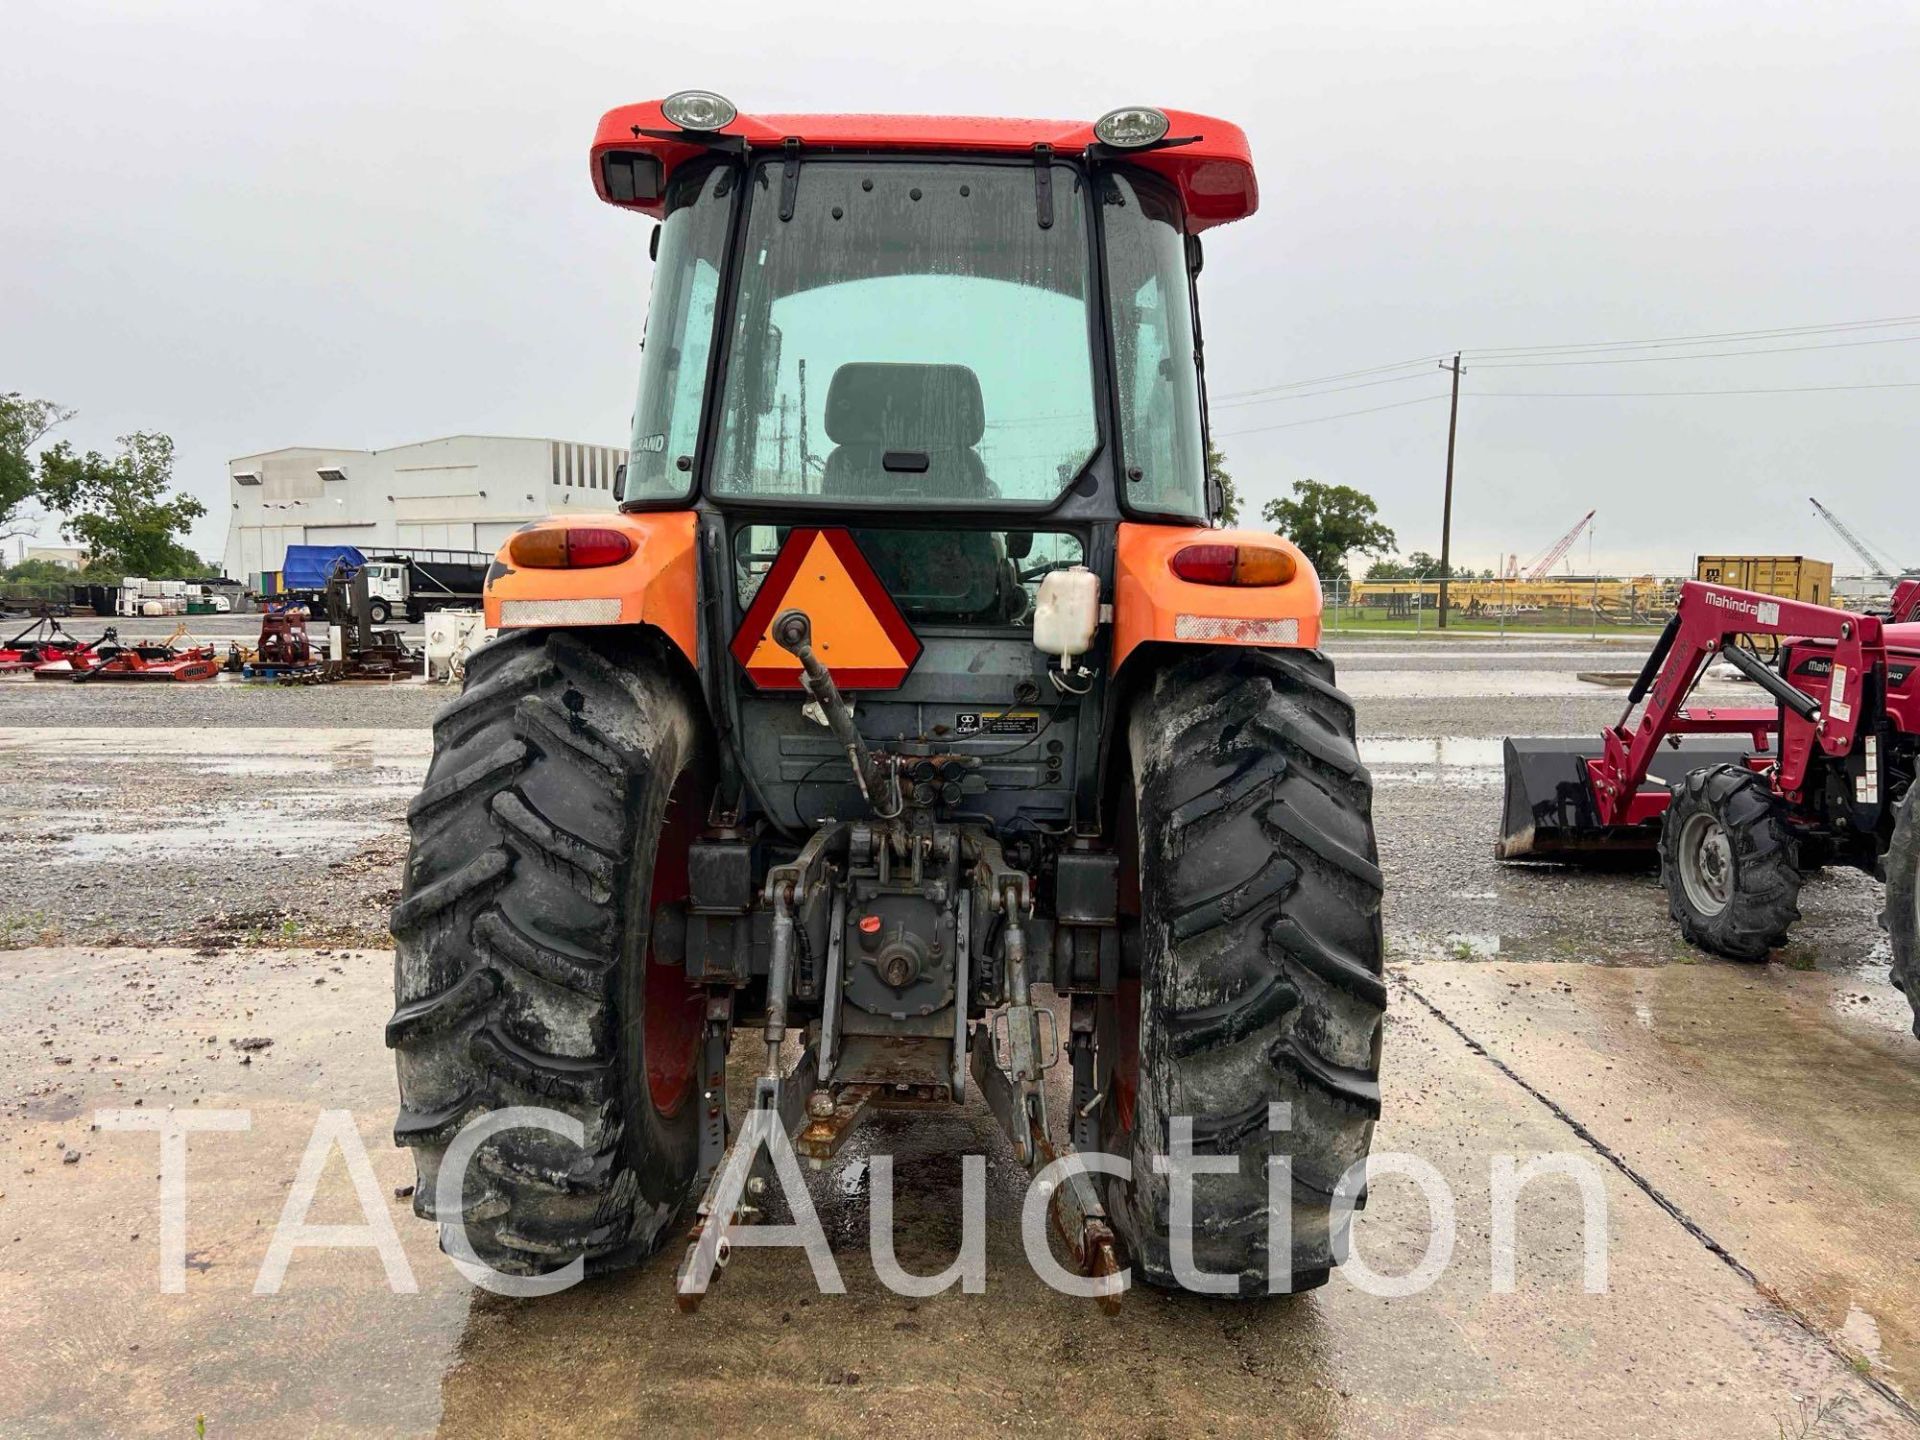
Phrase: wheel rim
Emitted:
{"points": [[1706, 864], [673, 1011]]}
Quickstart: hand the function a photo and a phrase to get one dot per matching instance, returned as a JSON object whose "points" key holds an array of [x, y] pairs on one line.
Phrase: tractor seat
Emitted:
{"points": [[910, 411], [930, 414]]}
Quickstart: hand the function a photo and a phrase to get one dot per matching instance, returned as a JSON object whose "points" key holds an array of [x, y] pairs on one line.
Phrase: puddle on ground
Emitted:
{"points": [[1434, 760], [1454, 945], [245, 745], [267, 765], [251, 835]]}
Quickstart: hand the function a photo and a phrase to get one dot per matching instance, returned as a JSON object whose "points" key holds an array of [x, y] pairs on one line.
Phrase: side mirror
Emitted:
{"points": [[653, 245], [1019, 544], [1196, 255], [1216, 499], [620, 481]]}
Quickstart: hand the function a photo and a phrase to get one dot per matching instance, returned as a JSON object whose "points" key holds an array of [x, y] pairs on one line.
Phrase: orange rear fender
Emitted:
{"points": [[1152, 603], [657, 585]]}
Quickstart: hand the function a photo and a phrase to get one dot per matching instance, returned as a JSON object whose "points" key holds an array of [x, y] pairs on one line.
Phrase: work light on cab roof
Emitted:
{"points": [[1131, 127], [700, 110]]}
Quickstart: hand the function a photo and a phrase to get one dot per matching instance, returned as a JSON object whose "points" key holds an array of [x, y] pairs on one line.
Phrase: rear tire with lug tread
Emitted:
{"points": [[1728, 863], [1903, 900], [1261, 976], [565, 784]]}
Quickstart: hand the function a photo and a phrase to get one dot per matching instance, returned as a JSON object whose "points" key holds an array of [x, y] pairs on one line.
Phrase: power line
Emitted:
{"points": [[1665, 340], [1327, 379], [1516, 355], [1698, 355], [1310, 394], [1630, 394], [1318, 419]]}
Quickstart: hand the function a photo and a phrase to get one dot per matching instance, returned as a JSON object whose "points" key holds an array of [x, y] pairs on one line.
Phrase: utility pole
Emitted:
{"points": [[1446, 514]]}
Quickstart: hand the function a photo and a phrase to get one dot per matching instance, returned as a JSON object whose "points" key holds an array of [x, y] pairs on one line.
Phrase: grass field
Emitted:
{"points": [[1370, 622]]}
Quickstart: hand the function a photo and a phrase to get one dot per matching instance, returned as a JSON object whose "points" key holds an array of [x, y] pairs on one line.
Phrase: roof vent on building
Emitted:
{"points": [[332, 472], [246, 477]]}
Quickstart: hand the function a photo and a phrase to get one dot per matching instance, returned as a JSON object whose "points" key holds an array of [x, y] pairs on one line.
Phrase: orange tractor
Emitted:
{"points": [[910, 680]]}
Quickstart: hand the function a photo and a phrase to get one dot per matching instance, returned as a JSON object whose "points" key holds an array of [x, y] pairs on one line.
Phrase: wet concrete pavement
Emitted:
{"points": [[1765, 1112], [1679, 1343]]}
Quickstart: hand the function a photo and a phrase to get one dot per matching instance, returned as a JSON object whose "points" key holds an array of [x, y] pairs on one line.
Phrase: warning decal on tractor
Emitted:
{"points": [[996, 722], [858, 632]]}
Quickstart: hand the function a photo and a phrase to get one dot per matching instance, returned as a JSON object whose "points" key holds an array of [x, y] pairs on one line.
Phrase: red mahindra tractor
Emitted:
{"points": [[1743, 804]]}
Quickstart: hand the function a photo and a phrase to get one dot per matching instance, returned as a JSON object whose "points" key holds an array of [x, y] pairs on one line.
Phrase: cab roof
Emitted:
{"points": [[1212, 169]]}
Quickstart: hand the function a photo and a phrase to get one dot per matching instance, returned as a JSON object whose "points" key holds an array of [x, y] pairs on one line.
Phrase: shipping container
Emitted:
{"points": [[1791, 577]]}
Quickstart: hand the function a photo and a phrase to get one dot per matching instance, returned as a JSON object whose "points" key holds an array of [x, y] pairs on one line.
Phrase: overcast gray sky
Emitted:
{"points": [[265, 224]]}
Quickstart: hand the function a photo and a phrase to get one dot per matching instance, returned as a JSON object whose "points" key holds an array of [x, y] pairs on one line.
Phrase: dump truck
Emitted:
{"points": [[912, 714], [408, 582], [414, 583], [1742, 804]]}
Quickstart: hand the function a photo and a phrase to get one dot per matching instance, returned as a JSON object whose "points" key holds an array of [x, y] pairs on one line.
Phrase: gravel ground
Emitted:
{"points": [[267, 836], [205, 838], [219, 703]]}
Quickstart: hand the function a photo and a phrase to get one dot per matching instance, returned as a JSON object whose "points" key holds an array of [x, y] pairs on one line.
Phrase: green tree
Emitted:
{"points": [[1229, 495], [1421, 565], [1328, 523], [1388, 569], [23, 425], [38, 572], [124, 510]]}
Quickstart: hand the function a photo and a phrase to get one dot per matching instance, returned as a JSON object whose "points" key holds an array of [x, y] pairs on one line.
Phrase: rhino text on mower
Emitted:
{"points": [[920, 423]]}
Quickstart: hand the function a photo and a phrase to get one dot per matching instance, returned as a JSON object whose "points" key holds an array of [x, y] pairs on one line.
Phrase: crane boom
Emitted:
{"points": [[1537, 569], [1880, 568]]}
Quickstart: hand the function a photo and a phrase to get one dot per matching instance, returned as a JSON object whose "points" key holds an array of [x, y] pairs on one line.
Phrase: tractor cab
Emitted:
{"points": [[923, 314]]}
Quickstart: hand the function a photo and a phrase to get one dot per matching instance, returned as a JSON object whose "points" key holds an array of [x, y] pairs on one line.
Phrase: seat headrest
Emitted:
{"points": [[912, 407]]}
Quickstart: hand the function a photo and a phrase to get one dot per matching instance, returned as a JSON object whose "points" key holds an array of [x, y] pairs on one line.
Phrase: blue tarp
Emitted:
{"points": [[308, 567]]}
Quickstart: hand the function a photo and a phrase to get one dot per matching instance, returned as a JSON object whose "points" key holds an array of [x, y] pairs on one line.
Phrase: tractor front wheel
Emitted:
{"points": [[1255, 1024], [1727, 862], [1903, 900], [565, 787]]}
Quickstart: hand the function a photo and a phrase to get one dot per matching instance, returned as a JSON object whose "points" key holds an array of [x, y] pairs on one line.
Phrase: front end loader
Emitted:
{"points": [[910, 686], [1742, 804]]}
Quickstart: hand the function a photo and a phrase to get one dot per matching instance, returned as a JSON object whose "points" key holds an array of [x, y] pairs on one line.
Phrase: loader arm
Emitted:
{"points": [[1707, 618], [1906, 601]]}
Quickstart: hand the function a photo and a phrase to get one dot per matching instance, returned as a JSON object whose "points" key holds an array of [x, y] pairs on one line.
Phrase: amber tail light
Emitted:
{"points": [[1215, 564], [572, 547]]}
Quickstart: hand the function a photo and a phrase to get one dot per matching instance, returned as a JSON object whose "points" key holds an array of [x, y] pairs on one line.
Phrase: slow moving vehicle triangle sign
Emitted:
{"points": [[858, 632]]}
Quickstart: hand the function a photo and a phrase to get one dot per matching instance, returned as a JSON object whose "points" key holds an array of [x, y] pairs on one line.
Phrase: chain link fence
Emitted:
{"points": [[1591, 605]]}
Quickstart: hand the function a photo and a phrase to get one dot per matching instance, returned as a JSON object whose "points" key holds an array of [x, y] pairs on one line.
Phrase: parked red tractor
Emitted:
{"points": [[1823, 777]]}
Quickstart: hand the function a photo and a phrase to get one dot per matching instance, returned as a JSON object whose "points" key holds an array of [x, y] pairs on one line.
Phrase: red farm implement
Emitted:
{"points": [[144, 661], [44, 647], [1741, 805]]}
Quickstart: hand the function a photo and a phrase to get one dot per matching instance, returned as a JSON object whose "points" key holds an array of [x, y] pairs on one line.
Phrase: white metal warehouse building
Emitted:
{"points": [[463, 492]]}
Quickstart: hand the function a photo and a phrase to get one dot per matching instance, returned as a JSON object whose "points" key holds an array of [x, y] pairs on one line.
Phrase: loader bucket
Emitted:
{"points": [[1549, 812]]}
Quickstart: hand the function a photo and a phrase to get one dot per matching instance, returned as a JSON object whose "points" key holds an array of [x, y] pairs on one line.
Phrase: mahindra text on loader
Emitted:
{"points": [[909, 678]]}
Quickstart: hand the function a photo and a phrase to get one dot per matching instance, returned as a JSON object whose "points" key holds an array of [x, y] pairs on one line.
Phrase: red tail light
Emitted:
{"points": [[1215, 564], [571, 547]]}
